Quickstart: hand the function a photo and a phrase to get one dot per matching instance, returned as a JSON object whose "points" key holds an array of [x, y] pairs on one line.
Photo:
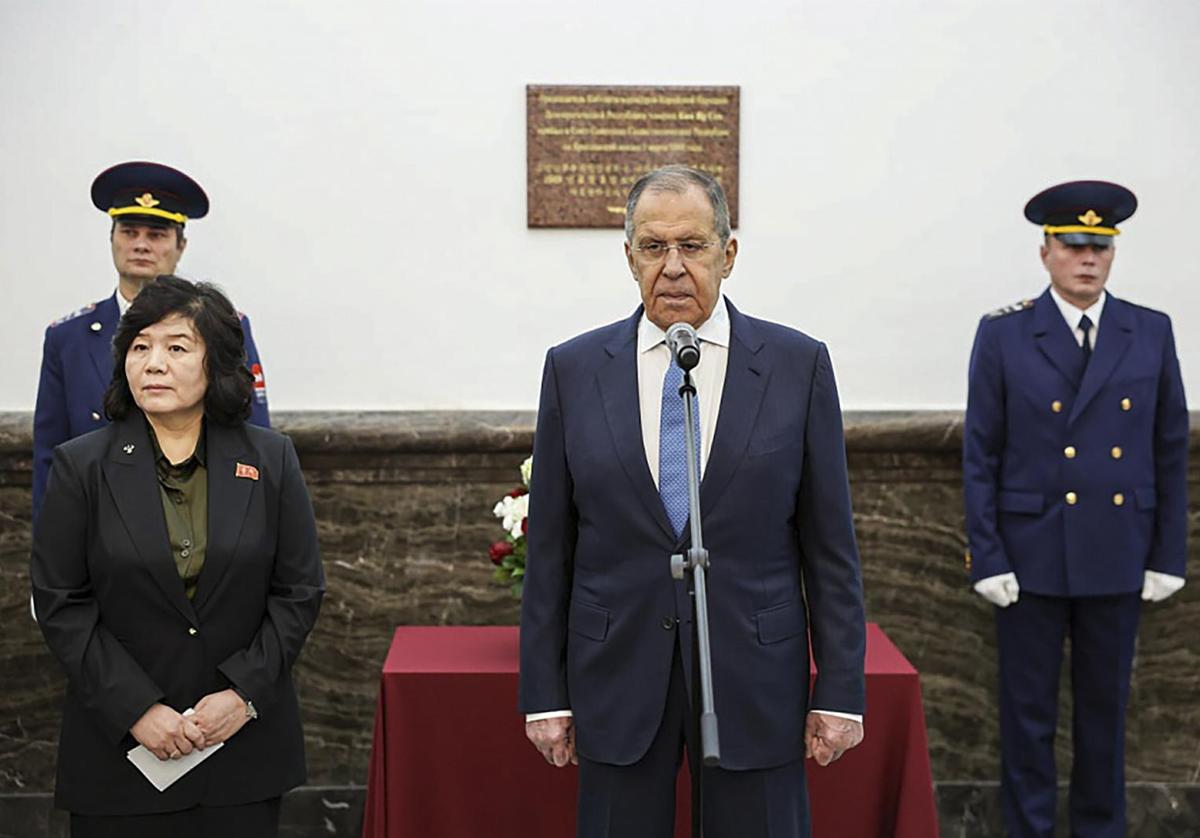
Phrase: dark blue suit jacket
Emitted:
{"points": [[1126, 423], [77, 367], [777, 522]]}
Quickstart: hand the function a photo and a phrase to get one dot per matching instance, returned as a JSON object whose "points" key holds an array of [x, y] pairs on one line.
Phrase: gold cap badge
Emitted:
{"points": [[147, 200], [1090, 218]]}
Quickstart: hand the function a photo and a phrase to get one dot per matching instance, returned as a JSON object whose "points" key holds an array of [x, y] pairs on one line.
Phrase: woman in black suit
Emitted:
{"points": [[175, 565]]}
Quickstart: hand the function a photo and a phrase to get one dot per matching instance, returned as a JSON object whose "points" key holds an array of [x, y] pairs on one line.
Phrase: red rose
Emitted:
{"points": [[499, 550], [525, 526], [517, 492]]}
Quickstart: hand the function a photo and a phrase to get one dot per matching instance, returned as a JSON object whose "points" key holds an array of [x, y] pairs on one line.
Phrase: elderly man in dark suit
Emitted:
{"points": [[607, 671], [1075, 474]]}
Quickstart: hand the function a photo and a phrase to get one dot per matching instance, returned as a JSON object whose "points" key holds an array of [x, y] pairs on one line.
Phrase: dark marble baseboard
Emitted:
{"points": [[307, 812], [1155, 810], [965, 810], [403, 504]]}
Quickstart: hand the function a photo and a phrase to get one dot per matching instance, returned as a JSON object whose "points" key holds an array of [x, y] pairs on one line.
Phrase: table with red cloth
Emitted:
{"points": [[450, 757]]}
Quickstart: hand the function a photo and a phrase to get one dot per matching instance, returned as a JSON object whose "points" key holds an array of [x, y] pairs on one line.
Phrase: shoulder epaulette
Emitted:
{"points": [[1004, 311], [77, 313]]}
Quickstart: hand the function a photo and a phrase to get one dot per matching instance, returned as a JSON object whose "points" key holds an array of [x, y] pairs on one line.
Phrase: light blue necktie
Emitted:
{"points": [[672, 449]]}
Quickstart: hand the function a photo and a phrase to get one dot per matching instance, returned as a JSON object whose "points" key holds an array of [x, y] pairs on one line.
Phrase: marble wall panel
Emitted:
{"points": [[403, 502]]}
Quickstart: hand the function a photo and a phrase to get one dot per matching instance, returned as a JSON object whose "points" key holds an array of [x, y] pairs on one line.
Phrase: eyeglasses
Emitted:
{"points": [[654, 251]]}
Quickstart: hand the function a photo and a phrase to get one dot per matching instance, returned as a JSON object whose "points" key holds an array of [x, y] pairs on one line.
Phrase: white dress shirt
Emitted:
{"points": [[1073, 315], [653, 360]]}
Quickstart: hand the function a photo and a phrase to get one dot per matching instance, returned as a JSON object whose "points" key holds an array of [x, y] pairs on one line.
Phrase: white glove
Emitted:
{"points": [[1159, 586], [1001, 591]]}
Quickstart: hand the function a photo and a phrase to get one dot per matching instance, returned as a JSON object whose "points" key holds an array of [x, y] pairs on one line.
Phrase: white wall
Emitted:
{"points": [[366, 164]]}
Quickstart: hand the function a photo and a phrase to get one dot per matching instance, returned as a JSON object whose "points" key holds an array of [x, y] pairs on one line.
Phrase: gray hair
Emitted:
{"points": [[677, 178]]}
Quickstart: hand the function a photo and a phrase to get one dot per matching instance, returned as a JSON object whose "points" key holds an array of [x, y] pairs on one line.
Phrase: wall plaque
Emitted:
{"points": [[586, 145]]}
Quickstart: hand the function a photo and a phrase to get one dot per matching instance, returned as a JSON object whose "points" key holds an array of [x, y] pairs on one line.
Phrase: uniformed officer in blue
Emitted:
{"points": [[149, 205], [1075, 474]]}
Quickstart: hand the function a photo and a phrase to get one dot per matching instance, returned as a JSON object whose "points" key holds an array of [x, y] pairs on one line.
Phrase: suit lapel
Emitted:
{"points": [[618, 384], [1054, 339], [745, 382], [129, 472], [228, 500], [1114, 335], [107, 314]]}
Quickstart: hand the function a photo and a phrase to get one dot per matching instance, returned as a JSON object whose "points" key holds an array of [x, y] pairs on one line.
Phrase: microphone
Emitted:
{"points": [[684, 345]]}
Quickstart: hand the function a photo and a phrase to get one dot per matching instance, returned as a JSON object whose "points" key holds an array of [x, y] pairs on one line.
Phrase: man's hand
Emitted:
{"points": [[1158, 586], [219, 716], [828, 737], [1001, 591], [159, 731], [555, 738]]}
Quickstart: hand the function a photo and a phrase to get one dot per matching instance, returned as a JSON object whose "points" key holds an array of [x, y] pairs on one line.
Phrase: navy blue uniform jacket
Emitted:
{"points": [[777, 521], [1125, 424], [77, 366], [112, 608]]}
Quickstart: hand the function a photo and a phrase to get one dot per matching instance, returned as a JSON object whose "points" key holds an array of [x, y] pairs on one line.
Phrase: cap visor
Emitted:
{"points": [[147, 220], [1077, 239]]}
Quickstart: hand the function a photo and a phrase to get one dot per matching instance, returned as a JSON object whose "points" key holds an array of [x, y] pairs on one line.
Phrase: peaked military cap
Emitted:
{"points": [[1082, 211], [148, 193]]}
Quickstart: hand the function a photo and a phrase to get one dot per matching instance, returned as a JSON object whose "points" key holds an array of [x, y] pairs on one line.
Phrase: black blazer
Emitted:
{"points": [[112, 608]]}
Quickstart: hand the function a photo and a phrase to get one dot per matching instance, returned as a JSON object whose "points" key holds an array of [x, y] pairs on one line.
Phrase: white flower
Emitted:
{"points": [[512, 511], [526, 471]]}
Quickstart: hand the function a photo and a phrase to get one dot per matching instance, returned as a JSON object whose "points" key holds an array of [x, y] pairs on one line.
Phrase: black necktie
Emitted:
{"points": [[1085, 326]]}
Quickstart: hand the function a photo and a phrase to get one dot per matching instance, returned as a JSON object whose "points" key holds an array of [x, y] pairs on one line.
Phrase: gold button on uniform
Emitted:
{"points": [[1056, 406], [192, 631], [1069, 452], [1116, 452], [1072, 498], [1126, 404], [1118, 499]]}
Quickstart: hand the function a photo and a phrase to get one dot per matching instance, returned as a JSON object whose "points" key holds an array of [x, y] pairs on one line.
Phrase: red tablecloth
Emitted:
{"points": [[450, 756]]}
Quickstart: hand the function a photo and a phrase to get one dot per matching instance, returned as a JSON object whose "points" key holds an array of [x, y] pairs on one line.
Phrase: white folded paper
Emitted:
{"points": [[162, 773]]}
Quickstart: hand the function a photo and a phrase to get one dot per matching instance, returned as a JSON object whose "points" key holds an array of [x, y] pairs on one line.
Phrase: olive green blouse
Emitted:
{"points": [[184, 491]]}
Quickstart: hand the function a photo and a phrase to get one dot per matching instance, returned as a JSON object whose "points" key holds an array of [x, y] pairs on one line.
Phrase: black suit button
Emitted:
{"points": [[668, 623]]}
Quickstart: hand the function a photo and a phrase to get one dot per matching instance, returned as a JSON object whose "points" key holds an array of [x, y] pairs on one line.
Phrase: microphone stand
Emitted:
{"points": [[696, 561]]}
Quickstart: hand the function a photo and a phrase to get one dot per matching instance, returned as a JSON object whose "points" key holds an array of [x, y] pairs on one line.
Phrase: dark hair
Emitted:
{"points": [[677, 178], [230, 384]]}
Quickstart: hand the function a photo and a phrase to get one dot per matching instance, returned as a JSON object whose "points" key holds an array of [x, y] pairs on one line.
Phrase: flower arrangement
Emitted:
{"points": [[509, 555]]}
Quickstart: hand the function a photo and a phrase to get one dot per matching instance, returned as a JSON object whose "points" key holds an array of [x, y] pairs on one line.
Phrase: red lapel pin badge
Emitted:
{"points": [[249, 472]]}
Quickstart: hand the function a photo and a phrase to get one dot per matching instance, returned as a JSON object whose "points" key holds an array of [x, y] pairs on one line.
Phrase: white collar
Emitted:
{"points": [[713, 330], [1073, 315], [122, 303]]}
